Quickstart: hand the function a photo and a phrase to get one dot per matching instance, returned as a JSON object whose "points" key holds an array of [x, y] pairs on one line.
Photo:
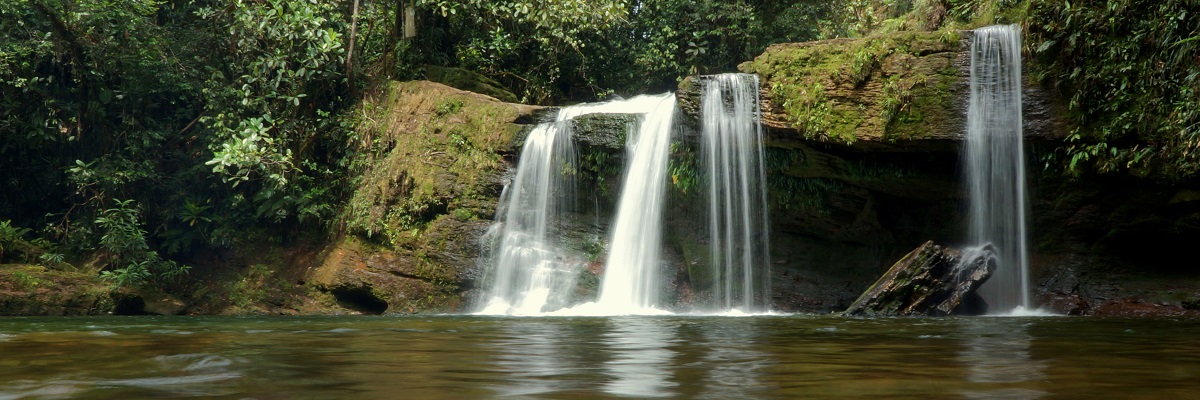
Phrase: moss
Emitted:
{"points": [[698, 259], [875, 88], [427, 146], [610, 131], [27, 289], [467, 80], [601, 145]]}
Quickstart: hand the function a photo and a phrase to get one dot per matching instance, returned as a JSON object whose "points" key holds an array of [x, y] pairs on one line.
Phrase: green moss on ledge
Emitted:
{"points": [[431, 150], [898, 86]]}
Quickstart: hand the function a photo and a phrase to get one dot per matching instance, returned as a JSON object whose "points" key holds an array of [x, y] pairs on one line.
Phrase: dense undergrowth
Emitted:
{"points": [[1130, 71]]}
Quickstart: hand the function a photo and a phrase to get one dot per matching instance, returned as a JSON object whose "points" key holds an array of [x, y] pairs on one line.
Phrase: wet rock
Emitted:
{"points": [[604, 130], [157, 302], [931, 280], [1135, 307], [1069, 304], [366, 279]]}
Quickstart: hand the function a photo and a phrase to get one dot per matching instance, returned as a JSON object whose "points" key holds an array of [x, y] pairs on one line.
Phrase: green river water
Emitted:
{"points": [[701, 357]]}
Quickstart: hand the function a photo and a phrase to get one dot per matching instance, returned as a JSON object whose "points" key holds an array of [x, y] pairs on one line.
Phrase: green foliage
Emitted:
{"points": [[897, 97], [285, 52], [10, 234], [527, 44], [125, 241], [598, 165], [682, 167], [802, 194], [808, 109], [875, 17], [448, 107], [1132, 84], [550, 50], [27, 281]]}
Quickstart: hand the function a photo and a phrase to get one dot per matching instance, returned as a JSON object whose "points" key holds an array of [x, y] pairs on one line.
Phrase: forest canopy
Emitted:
{"points": [[144, 130]]}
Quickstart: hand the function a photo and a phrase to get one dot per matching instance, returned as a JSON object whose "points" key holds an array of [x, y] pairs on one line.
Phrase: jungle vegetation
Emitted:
{"points": [[137, 132]]}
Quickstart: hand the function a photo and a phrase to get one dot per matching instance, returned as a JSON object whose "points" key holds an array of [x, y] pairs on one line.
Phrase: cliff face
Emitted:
{"points": [[903, 92], [863, 140]]}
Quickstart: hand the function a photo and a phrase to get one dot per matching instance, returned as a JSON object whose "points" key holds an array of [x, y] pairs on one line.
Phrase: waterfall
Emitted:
{"points": [[532, 273], [732, 151], [631, 282], [995, 163]]}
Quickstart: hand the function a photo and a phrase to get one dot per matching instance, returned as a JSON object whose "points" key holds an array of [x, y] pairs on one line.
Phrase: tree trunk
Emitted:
{"points": [[350, 51]]}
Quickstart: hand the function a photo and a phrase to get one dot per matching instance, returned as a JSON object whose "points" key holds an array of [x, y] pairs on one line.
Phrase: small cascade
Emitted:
{"points": [[530, 275], [531, 272], [632, 283], [732, 148], [995, 163]]}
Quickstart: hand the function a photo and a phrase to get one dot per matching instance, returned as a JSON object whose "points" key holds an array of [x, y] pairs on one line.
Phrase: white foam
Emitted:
{"points": [[1020, 311]]}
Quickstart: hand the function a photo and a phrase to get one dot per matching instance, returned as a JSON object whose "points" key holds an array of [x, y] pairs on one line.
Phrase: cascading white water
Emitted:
{"points": [[732, 150], [532, 273], [631, 282], [995, 161]]}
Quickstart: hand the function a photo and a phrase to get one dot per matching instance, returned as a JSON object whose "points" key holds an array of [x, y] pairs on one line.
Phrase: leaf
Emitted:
{"points": [[1045, 45]]}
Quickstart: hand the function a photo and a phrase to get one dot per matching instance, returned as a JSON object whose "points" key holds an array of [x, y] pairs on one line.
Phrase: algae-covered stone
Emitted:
{"points": [[35, 290], [469, 81], [609, 131], [432, 149], [901, 91], [906, 85]]}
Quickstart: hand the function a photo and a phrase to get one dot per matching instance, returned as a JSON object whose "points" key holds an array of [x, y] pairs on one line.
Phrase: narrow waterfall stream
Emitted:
{"points": [[632, 283], [530, 274], [995, 163], [733, 155]]}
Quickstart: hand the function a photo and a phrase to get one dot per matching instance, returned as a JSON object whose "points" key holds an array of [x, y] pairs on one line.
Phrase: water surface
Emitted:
{"points": [[462, 357]]}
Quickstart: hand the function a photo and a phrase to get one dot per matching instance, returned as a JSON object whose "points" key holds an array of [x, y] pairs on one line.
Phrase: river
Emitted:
{"points": [[700, 357]]}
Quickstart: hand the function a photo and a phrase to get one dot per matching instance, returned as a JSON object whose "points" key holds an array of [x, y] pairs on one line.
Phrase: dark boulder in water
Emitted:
{"points": [[932, 280]]}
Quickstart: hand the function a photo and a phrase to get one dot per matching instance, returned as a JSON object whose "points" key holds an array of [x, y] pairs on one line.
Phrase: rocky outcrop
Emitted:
{"points": [[1111, 246], [36, 290], [904, 91], [471, 81], [371, 279], [863, 139], [429, 194], [932, 280]]}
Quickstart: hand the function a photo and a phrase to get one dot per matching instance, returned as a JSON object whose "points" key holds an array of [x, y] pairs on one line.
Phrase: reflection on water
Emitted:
{"points": [[732, 363], [691, 357], [997, 355], [532, 357], [641, 363]]}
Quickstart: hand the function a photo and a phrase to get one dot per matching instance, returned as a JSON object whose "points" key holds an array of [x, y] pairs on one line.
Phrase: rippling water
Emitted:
{"points": [[463, 357]]}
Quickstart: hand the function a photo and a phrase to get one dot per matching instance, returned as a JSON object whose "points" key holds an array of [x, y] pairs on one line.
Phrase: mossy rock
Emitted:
{"points": [[880, 89], [27, 289], [900, 91], [608, 131], [470, 81], [432, 148]]}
